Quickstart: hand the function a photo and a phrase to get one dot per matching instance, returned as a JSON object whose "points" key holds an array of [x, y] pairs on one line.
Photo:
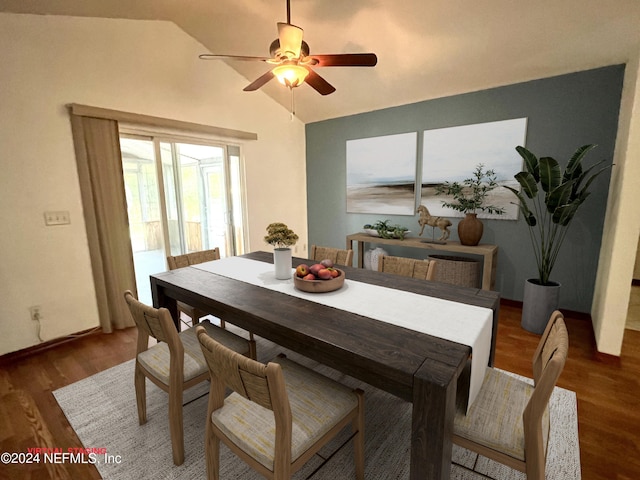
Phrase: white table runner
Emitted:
{"points": [[458, 322]]}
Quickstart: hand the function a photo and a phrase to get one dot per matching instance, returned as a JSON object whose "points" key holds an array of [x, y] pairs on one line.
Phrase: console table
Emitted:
{"points": [[489, 253]]}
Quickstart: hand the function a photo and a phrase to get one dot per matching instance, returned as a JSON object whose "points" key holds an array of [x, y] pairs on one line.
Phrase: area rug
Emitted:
{"points": [[102, 411]]}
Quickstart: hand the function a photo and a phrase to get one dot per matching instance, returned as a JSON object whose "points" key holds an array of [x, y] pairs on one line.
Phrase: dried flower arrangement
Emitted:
{"points": [[280, 236]]}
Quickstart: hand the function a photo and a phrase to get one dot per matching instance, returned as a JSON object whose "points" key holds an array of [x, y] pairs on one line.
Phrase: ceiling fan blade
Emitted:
{"points": [[319, 84], [345, 60], [259, 82], [211, 56], [290, 38]]}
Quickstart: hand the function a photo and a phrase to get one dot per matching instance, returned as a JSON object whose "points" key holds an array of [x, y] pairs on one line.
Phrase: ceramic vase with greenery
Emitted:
{"points": [[549, 201], [281, 238], [469, 197]]}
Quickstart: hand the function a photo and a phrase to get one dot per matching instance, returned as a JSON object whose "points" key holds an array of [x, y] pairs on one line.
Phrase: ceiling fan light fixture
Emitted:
{"points": [[290, 40], [289, 55], [290, 75]]}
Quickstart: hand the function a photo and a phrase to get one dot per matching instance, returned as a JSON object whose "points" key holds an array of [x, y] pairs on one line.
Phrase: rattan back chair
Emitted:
{"points": [[509, 420], [337, 255], [186, 260], [193, 258], [174, 364], [408, 267], [278, 415]]}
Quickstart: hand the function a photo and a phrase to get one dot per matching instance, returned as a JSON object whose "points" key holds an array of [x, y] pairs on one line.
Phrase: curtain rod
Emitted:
{"points": [[127, 117]]}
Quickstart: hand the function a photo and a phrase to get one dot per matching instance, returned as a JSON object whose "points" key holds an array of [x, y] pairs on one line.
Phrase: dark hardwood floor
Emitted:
{"points": [[607, 388]]}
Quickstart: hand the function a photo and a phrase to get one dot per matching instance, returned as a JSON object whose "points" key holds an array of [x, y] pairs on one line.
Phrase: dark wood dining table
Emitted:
{"points": [[419, 368]]}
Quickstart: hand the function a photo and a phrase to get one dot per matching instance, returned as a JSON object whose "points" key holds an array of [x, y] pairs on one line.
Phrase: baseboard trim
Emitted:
{"points": [[565, 312], [20, 354], [41, 347], [599, 357], [606, 358]]}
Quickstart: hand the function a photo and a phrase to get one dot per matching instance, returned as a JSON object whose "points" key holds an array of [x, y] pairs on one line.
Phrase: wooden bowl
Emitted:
{"points": [[319, 286]]}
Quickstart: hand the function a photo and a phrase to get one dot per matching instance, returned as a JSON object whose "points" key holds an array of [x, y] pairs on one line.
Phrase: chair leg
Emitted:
{"points": [[358, 440], [212, 453], [283, 473], [175, 424], [141, 395], [535, 465]]}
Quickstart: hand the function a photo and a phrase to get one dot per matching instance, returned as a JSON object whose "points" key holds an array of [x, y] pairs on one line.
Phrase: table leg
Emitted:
{"points": [[432, 426], [360, 254], [162, 300]]}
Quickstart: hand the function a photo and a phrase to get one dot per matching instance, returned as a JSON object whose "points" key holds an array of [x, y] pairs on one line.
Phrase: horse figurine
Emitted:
{"points": [[440, 222]]}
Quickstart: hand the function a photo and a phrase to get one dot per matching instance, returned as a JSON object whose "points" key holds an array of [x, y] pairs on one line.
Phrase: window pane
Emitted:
{"points": [[201, 191], [203, 197], [237, 220], [171, 199], [143, 208]]}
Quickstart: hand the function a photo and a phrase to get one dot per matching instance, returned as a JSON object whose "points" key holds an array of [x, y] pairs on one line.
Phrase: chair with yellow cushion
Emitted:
{"points": [[407, 267], [337, 255], [278, 415], [174, 364], [509, 420]]}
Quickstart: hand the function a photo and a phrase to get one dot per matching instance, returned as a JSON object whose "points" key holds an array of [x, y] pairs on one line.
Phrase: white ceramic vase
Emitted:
{"points": [[372, 256], [282, 262]]}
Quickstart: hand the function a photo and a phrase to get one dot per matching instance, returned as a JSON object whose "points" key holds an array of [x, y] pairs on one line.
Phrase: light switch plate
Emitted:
{"points": [[57, 218]]}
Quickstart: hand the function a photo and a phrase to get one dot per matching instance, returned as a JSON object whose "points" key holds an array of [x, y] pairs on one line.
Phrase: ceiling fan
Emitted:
{"points": [[292, 60]]}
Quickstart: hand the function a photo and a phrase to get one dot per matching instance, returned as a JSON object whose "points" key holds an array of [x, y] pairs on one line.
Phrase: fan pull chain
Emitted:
{"points": [[293, 105]]}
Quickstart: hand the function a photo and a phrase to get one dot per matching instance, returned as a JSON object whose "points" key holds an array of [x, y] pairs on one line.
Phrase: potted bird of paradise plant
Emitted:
{"points": [[548, 202]]}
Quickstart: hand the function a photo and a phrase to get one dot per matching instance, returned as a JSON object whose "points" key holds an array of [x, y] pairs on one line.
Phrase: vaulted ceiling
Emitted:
{"points": [[426, 48]]}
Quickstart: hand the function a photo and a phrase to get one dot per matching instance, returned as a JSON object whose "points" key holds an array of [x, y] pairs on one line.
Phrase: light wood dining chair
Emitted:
{"points": [[193, 258], [509, 420], [337, 255], [278, 415], [174, 364], [408, 267]]}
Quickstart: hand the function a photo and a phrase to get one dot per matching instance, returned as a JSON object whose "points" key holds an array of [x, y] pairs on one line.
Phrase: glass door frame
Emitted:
{"points": [[234, 246]]}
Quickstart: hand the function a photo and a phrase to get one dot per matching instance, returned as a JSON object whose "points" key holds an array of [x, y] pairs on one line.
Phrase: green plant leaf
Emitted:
{"points": [[574, 167], [550, 175], [529, 217], [565, 213], [564, 193], [470, 194], [577, 191], [530, 162], [528, 183], [561, 195], [583, 195]]}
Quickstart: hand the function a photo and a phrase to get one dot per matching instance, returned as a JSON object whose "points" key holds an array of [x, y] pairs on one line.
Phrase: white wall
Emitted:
{"points": [[144, 67], [622, 223]]}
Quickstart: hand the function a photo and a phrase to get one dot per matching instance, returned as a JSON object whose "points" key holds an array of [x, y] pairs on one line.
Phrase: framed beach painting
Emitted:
{"points": [[381, 174], [452, 154]]}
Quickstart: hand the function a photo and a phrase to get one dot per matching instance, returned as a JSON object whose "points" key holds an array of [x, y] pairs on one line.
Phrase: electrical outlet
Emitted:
{"points": [[36, 314], [57, 218]]}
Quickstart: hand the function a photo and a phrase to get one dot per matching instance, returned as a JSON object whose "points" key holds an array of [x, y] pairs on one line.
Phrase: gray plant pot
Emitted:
{"points": [[538, 304]]}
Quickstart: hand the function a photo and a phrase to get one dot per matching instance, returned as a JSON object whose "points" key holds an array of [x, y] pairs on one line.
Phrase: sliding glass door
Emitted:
{"points": [[181, 197]]}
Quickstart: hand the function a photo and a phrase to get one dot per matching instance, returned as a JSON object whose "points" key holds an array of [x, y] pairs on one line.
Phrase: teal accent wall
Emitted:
{"points": [[563, 112]]}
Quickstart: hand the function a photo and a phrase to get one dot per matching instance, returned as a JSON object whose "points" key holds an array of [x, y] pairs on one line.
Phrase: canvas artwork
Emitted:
{"points": [[381, 174], [452, 154]]}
